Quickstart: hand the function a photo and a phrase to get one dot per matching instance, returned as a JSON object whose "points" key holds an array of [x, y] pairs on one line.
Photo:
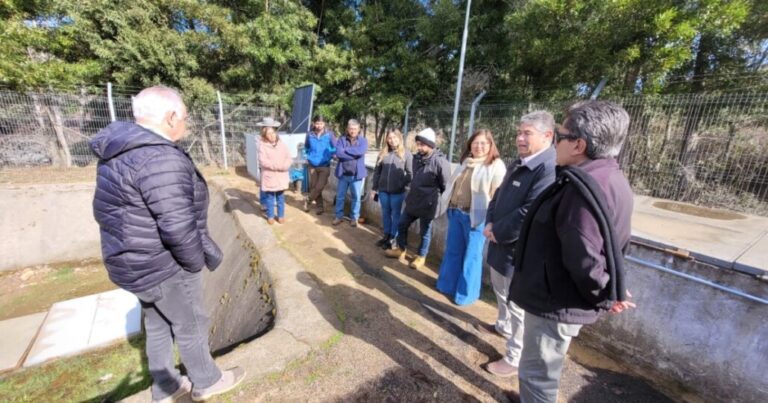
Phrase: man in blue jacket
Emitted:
{"points": [[320, 146], [350, 170], [526, 178], [151, 204]]}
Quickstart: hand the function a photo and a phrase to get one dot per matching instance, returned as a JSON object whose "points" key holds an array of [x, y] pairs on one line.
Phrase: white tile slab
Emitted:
{"points": [[65, 331], [118, 316], [80, 324]]}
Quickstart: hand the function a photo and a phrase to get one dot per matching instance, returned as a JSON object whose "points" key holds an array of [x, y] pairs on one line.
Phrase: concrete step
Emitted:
{"points": [[18, 333]]}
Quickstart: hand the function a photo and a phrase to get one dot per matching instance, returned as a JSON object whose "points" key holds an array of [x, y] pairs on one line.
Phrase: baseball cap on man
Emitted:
{"points": [[426, 136]]}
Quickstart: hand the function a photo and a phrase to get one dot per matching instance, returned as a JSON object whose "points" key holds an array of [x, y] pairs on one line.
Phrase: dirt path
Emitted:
{"points": [[399, 339]]}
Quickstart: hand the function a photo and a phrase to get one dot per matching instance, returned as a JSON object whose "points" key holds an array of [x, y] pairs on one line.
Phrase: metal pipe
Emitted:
{"points": [[221, 126], [472, 112], [696, 279], [111, 103], [458, 83], [599, 88], [405, 123]]}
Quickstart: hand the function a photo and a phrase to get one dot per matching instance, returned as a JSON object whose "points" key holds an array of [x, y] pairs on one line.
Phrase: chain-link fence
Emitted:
{"points": [[708, 149], [53, 129]]}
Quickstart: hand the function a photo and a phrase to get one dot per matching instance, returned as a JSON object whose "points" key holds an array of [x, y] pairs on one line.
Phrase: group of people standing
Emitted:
{"points": [[557, 220]]}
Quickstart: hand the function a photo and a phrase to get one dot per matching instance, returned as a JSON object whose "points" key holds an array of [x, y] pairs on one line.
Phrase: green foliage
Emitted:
{"points": [[370, 58]]}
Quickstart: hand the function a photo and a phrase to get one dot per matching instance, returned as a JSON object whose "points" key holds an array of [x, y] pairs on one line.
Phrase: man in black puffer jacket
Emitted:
{"points": [[431, 172], [151, 205]]}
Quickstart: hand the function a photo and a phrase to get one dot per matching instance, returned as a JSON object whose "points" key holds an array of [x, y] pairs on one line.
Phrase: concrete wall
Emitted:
{"points": [[47, 223], [238, 296], [54, 223], [371, 211], [711, 341]]}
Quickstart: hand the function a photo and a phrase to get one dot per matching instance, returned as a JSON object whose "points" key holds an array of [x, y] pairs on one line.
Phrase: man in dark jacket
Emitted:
{"points": [[431, 172], [569, 254], [526, 178], [320, 147], [151, 205]]}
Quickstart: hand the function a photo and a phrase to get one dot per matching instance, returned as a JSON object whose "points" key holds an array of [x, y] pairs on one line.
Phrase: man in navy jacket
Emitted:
{"points": [[526, 178], [350, 171], [568, 260], [151, 205]]}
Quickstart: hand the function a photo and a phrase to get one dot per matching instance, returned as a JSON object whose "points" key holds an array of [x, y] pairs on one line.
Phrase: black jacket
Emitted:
{"points": [[430, 176], [510, 203], [151, 204], [569, 245], [392, 174]]}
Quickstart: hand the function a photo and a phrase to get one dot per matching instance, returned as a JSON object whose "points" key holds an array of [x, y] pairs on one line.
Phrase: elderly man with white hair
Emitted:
{"points": [[151, 205]]}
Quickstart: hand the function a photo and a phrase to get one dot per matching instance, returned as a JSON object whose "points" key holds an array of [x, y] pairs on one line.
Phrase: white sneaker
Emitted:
{"points": [[229, 380], [185, 387]]}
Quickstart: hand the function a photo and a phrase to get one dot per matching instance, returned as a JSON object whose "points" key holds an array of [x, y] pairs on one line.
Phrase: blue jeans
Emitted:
{"points": [[355, 187], [461, 270], [391, 208], [173, 311], [425, 224], [263, 199], [270, 198]]}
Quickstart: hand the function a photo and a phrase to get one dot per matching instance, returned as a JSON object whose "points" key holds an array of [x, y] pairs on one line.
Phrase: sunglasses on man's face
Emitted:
{"points": [[563, 136]]}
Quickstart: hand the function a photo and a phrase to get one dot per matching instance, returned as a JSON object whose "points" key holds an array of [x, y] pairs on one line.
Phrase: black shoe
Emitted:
{"points": [[381, 243]]}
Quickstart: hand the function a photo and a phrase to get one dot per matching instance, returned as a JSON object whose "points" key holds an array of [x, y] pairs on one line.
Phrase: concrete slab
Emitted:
{"points": [[18, 334], [118, 317], [721, 241], [83, 323], [756, 257]]}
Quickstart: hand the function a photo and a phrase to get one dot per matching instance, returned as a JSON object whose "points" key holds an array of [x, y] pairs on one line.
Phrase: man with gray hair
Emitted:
{"points": [[526, 178], [151, 204], [568, 259], [350, 171]]}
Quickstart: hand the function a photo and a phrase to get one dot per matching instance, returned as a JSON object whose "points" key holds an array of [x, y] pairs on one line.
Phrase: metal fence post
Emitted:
{"points": [[599, 88], [405, 123], [221, 126], [111, 103], [475, 103], [458, 81]]}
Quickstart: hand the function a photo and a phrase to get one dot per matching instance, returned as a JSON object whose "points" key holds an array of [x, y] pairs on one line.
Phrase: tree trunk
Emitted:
{"points": [[54, 114], [52, 146]]}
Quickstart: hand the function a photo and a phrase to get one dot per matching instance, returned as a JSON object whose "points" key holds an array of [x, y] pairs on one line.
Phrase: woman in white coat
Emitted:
{"points": [[467, 196]]}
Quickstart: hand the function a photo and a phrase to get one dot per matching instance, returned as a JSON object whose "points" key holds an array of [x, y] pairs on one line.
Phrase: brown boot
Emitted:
{"points": [[417, 263], [501, 368], [395, 253]]}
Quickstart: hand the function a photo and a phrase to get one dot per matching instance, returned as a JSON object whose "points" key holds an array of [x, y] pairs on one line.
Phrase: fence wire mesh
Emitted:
{"points": [[53, 129], [706, 149]]}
